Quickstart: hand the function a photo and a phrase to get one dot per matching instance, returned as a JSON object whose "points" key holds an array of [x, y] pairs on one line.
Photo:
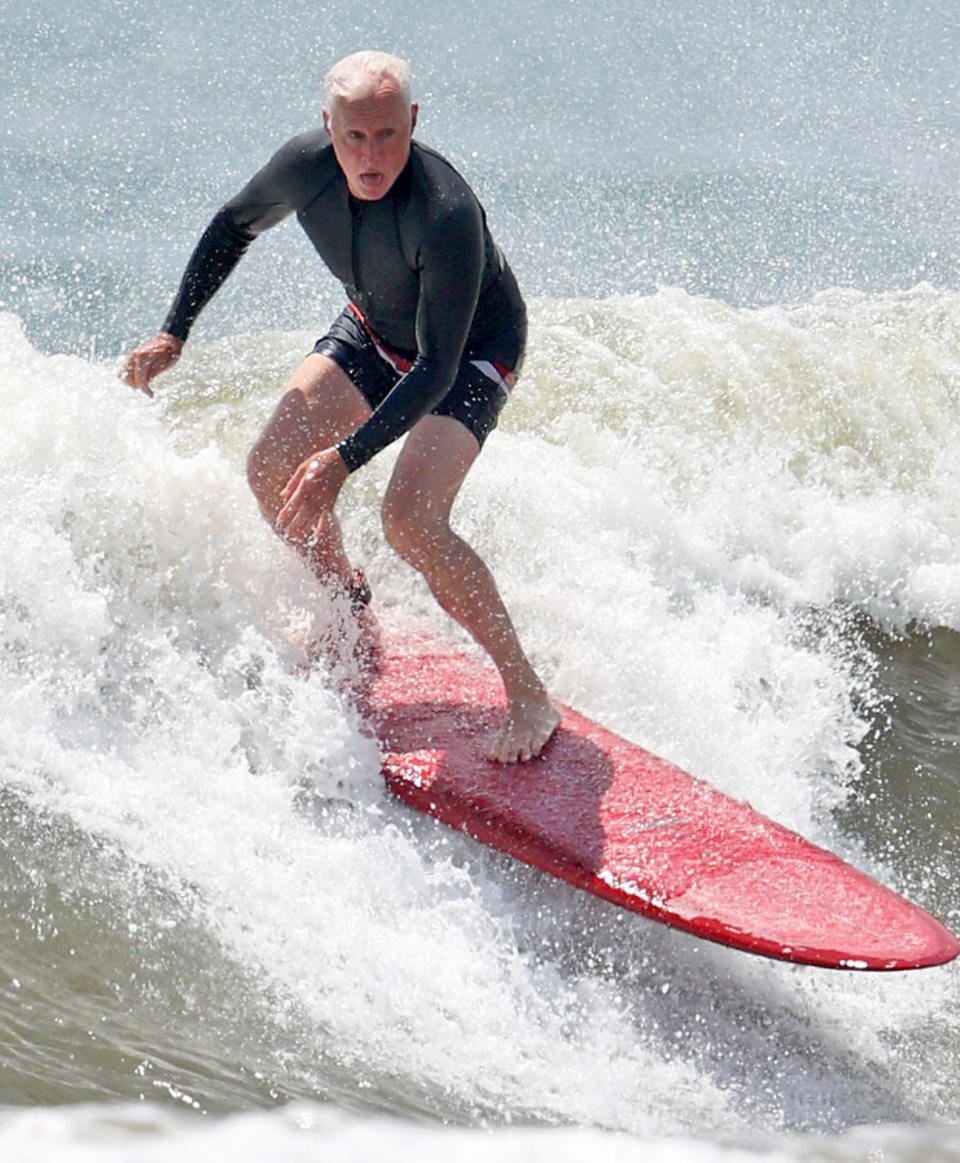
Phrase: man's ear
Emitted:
{"points": [[414, 110], [326, 120]]}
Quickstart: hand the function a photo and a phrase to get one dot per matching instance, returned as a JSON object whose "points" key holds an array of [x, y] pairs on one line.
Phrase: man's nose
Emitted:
{"points": [[371, 150]]}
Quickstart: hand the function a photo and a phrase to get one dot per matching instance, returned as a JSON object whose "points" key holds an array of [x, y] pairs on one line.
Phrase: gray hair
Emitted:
{"points": [[362, 72]]}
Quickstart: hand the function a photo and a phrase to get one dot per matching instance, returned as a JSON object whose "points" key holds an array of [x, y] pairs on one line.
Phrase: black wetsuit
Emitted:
{"points": [[419, 264]]}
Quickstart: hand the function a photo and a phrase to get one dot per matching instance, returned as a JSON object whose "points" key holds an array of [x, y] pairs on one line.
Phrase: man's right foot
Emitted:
{"points": [[359, 592], [367, 649], [351, 641]]}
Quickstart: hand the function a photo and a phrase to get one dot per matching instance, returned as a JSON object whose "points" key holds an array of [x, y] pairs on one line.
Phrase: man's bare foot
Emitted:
{"points": [[529, 726], [350, 645], [368, 645]]}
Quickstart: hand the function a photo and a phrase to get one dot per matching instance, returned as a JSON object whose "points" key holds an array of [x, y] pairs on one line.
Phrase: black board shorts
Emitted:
{"points": [[482, 386]]}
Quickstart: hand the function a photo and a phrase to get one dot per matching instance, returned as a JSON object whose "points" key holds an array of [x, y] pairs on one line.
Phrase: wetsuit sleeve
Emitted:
{"points": [[262, 203], [451, 269]]}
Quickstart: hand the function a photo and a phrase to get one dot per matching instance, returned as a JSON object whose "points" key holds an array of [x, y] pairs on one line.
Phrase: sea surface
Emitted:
{"points": [[723, 506]]}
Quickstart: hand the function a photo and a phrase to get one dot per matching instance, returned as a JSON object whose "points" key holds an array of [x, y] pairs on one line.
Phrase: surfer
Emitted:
{"points": [[429, 347]]}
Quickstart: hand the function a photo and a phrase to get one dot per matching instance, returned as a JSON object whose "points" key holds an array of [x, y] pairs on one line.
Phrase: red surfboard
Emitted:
{"points": [[609, 817]]}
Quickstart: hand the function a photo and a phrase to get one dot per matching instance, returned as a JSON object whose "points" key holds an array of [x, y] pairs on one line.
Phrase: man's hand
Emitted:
{"points": [[310, 495], [150, 359]]}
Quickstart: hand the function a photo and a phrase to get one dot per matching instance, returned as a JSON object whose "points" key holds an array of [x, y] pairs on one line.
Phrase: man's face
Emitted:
{"points": [[371, 140]]}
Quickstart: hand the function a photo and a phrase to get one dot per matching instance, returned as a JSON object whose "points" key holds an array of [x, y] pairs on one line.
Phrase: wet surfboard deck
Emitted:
{"points": [[606, 816]]}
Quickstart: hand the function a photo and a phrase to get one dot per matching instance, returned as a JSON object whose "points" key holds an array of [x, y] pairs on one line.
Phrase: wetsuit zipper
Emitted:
{"points": [[356, 211]]}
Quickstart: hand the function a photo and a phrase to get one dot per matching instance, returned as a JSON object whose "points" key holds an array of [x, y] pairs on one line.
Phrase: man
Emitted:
{"points": [[428, 347]]}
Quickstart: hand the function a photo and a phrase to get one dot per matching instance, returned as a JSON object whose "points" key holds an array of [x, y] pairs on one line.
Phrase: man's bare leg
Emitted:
{"points": [[431, 468], [319, 407]]}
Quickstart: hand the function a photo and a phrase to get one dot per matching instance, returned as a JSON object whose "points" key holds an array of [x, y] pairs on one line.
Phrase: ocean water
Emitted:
{"points": [[722, 505]]}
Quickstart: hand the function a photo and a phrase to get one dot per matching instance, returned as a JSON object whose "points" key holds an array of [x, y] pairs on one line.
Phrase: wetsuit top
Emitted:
{"points": [[419, 263]]}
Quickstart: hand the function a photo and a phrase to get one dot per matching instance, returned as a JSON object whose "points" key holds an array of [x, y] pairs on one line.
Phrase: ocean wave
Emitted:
{"points": [[147, 699]]}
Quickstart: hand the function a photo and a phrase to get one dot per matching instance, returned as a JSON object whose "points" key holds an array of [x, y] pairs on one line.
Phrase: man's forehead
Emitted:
{"points": [[383, 102]]}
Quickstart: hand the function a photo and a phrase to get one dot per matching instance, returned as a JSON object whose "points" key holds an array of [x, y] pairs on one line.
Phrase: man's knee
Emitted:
{"points": [[263, 480], [411, 532], [258, 467], [395, 528], [279, 448]]}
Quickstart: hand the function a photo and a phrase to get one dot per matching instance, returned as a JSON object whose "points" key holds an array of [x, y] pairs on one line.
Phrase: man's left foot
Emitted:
{"points": [[529, 726]]}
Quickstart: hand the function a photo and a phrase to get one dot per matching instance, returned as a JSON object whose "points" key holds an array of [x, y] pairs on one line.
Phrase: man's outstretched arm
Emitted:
{"points": [[262, 203]]}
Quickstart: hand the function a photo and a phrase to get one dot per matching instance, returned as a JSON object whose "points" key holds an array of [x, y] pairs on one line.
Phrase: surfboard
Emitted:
{"points": [[608, 817]]}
